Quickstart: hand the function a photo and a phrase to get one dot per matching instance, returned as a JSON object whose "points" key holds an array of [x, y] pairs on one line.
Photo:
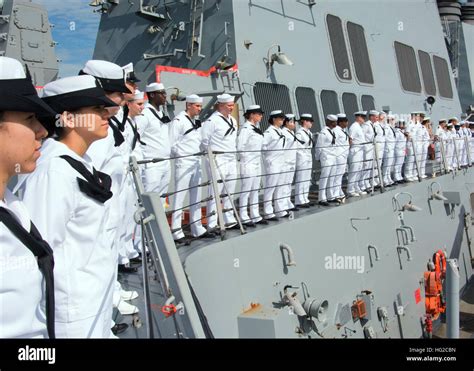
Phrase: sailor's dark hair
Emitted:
{"points": [[1, 116]]}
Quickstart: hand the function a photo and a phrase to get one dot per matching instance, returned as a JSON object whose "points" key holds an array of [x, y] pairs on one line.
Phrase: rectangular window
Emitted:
{"points": [[306, 100], [427, 72], [338, 47], [368, 102], [349, 101], [329, 102], [443, 77], [271, 97], [407, 67], [360, 53]]}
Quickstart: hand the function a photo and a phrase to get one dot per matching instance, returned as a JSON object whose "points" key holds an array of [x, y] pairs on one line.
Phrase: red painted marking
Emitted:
{"points": [[187, 71], [417, 296]]}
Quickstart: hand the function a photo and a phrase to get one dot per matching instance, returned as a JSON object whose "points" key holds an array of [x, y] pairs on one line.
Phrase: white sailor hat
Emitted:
{"points": [[139, 95], [225, 98], [442, 120], [331, 117], [414, 113], [453, 119], [276, 114], [360, 113], [254, 108], [421, 113], [72, 93], [373, 113], [426, 119], [17, 92], [307, 117], [390, 116], [154, 86], [130, 73], [382, 113], [289, 116], [110, 75], [193, 98], [341, 117], [450, 124]]}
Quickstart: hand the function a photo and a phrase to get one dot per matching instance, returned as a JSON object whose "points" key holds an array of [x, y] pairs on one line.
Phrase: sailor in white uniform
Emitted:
{"points": [[369, 162], [249, 146], [458, 143], [355, 182], [400, 151], [153, 126], [413, 129], [85, 265], [26, 260], [380, 140], [343, 143], [219, 134], [109, 155], [273, 144], [425, 140], [304, 161], [465, 133], [389, 153], [292, 143], [326, 153], [449, 147], [440, 140], [185, 139]]}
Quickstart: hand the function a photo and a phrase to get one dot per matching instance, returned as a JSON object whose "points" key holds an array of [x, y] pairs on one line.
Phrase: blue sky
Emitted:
{"points": [[75, 30]]}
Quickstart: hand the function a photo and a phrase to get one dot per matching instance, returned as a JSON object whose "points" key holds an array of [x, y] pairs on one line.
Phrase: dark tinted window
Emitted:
{"points": [[271, 97], [442, 77], [306, 100], [349, 101], [338, 46], [329, 102], [407, 67], [368, 103], [427, 72], [360, 53]]}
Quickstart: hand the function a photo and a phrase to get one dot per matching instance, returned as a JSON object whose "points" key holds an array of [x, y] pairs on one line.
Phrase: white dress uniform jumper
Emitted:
{"points": [[153, 127], [85, 266], [342, 153]]}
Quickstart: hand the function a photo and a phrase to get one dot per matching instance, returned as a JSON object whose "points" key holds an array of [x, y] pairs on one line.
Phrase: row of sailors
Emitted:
{"points": [[76, 212]]}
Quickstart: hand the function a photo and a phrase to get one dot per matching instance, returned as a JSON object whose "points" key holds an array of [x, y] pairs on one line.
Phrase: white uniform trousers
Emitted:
{"points": [[188, 174], [227, 171], [288, 175], [410, 166], [128, 200], [326, 180], [250, 189], [380, 153], [273, 189], [369, 165], [304, 168], [388, 164], [157, 178], [464, 161], [397, 168], [355, 184], [340, 170], [449, 150], [423, 157]]}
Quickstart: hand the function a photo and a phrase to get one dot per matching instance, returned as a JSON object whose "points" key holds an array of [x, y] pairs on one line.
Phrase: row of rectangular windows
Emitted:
{"points": [[277, 96], [405, 55]]}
